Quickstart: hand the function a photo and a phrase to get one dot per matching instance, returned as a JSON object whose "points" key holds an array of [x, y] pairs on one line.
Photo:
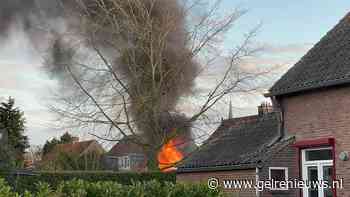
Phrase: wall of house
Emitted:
{"points": [[203, 177], [110, 162], [320, 114], [287, 158], [138, 162]]}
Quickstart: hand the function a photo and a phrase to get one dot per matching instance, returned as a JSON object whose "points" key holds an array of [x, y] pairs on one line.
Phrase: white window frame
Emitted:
{"points": [[285, 175], [318, 163], [124, 162]]}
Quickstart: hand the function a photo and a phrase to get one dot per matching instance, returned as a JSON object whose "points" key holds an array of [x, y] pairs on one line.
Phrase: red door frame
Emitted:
{"points": [[300, 145]]}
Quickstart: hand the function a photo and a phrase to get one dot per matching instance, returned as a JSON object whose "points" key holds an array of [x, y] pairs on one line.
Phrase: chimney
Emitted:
{"points": [[265, 108]]}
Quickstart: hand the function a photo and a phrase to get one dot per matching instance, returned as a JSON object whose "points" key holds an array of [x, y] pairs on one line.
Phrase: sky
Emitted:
{"points": [[288, 29]]}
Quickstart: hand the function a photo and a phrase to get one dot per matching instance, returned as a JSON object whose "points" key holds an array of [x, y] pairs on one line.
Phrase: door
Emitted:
{"points": [[328, 176], [317, 169]]}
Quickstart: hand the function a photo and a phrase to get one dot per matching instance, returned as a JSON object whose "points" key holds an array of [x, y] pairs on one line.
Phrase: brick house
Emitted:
{"points": [[87, 150], [126, 156], [314, 98], [312, 101]]}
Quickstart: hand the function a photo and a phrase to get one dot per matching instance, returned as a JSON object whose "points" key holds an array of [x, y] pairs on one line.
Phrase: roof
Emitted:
{"points": [[326, 64], [235, 144], [126, 146], [73, 148], [267, 151], [76, 147]]}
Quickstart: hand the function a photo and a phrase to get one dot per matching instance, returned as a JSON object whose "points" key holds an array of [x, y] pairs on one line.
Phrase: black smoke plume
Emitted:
{"points": [[46, 21]]}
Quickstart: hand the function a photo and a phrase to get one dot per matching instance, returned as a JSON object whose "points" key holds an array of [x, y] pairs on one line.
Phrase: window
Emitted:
{"points": [[318, 154], [279, 175], [124, 162], [317, 166]]}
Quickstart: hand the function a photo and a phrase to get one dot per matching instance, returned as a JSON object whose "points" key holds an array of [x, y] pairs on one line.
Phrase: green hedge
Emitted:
{"points": [[23, 181], [80, 188]]}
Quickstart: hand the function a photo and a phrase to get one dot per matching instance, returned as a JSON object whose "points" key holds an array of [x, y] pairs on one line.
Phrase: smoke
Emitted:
{"points": [[12, 10], [27, 13], [139, 26]]}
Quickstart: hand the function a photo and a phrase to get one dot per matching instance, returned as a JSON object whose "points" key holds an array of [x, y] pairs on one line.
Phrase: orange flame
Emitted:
{"points": [[168, 156]]}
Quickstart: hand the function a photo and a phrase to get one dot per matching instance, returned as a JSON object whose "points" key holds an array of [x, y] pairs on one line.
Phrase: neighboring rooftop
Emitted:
{"points": [[237, 144], [126, 146], [76, 148], [326, 64]]}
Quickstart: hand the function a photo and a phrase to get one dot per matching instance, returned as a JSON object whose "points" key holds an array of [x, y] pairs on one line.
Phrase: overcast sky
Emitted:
{"points": [[289, 29]]}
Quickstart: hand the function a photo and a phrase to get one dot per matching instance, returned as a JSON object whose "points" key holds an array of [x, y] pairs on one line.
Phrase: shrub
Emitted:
{"points": [[80, 188], [44, 190], [105, 189], [74, 188], [20, 183], [5, 189]]}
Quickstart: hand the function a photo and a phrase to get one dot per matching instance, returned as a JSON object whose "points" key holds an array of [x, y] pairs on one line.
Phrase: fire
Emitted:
{"points": [[168, 156]]}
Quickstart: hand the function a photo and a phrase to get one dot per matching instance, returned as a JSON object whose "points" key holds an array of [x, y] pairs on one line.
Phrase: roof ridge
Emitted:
{"points": [[251, 118], [85, 141]]}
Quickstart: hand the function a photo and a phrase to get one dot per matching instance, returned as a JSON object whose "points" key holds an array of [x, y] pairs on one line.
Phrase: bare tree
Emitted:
{"points": [[35, 154], [124, 65]]}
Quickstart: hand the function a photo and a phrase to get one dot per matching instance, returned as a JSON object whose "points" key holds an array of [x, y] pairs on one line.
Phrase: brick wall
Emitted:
{"points": [[222, 175], [322, 114], [286, 158]]}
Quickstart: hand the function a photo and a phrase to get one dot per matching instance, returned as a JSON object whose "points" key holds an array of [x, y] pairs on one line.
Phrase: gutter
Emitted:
{"points": [[325, 84], [248, 166]]}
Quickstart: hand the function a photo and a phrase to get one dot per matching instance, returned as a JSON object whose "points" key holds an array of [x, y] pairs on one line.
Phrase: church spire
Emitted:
{"points": [[230, 116]]}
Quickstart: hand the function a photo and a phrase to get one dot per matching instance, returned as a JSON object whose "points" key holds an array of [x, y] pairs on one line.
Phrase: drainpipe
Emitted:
{"points": [[280, 109]]}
